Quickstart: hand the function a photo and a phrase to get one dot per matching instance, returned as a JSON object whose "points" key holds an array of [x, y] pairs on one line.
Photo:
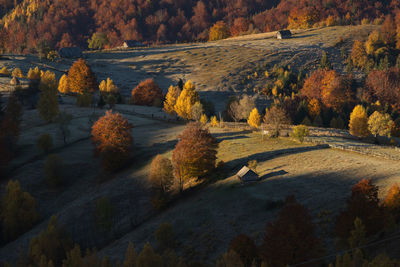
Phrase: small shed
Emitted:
{"points": [[70, 52], [284, 34], [246, 175], [131, 43]]}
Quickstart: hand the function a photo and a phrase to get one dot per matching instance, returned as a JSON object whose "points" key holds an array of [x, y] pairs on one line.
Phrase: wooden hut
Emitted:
{"points": [[246, 175], [284, 34]]}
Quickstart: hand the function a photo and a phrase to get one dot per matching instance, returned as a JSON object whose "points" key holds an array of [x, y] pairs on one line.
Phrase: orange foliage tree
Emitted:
{"points": [[329, 87], [219, 31], [240, 25], [195, 154], [392, 202], [291, 238], [358, 54], [364, 204], [302, 18], [111, 135], [81, 78], [147, 93]]}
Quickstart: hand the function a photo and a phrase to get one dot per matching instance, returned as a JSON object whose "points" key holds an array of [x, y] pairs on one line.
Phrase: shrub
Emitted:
{"points": [[195, 153], [111, 135], [300, 132], [53, 170], [165, 237], [18, 211], [81, 78], [45, 142], [147, 93]]}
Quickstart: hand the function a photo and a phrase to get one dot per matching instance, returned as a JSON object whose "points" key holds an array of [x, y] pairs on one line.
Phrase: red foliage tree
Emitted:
{"points": [[364, 204], [291, 238], [385, 86], [112, 138], [147, 93], [239, 26], [195, 154]]}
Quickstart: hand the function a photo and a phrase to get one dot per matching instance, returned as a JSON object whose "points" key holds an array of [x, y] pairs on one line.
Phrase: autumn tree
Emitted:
{"points": [[197, 111], [203, 119], [17, 73], [300, 132], [314, 107], [388, 31], [48, 101], [18, 211], [291, 238], [11, 120], [148, 257], [359, 122], [64, 121], [276, 117], [186, 100], [34, 74], [214, 121], [373, 43], [364, 204], [165, 237], [245, 247], [111, 135], [195, 153], [4, 71], [161, 173], [108, 86], [52, 243], [357, 235], [81, 78], [241, 109], [147, 93], [218, 31], [392, 202], [358, 54], [254, 119], [380, 124], [385, 86], [130, 256], [63, 85], [171, 98], [240, 25], [98, 41]]}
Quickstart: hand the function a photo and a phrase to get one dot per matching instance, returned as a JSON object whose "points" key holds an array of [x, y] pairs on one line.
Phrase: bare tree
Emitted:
{"points": [[240, 110], [276, 117]]}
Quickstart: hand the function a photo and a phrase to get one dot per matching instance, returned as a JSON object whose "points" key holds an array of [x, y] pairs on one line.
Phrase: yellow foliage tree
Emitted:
{"points": [[314, 107], [254, 118], [34, 74], [358, 54], [17, 73], [4, 71], [111, 87], [170, 99], [214, 121], [359, 122], [203, 119], [103, 86], [373, 43], [63, 85], [186, 100], [219, 31], [380, 124]]}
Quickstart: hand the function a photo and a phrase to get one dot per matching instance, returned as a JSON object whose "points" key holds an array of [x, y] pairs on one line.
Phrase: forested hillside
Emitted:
{"points": [[33, 25]]}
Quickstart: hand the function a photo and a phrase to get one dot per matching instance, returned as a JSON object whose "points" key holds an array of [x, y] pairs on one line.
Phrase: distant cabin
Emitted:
{"points": [[285, 34], [246, 175], [131, 43], [70, 52]]}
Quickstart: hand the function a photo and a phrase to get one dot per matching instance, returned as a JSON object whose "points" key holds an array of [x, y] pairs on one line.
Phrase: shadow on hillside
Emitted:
{"points": [[233, 137], [303, 36], [234, 165], [273, 174]]}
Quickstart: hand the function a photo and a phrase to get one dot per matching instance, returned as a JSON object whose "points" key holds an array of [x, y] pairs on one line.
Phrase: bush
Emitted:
{"points": [[53, 170], [45, 142], [300, 132]]}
